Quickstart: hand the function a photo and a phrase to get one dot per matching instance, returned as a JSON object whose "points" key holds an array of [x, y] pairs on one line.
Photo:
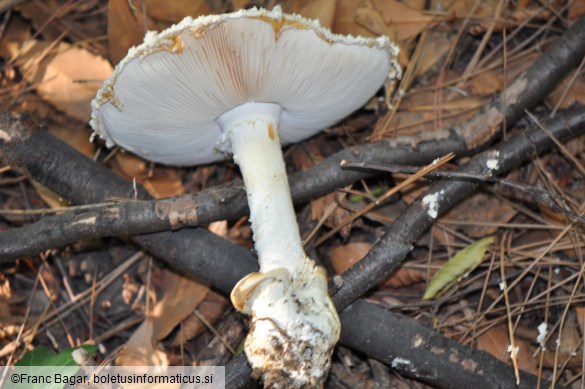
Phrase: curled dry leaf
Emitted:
{"points": [[580, 313], [64, 75]]}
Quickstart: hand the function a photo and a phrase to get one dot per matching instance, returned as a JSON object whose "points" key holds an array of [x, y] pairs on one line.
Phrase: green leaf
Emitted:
{"points": [[377, 191], [461, 264], [40, 356], [43, 362]]}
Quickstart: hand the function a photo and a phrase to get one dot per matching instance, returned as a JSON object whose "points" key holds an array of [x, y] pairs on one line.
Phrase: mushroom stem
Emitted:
{"points": [[294, 323], [257, 151]]}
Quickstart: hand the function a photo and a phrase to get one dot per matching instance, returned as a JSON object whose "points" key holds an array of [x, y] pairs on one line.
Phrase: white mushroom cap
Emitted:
{"points": [[163, 100]]}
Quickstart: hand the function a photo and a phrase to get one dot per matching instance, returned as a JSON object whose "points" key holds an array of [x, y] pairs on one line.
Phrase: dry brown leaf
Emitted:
{"points": [[570, 337], [211, 309], [126, 28], [575, 95], [18, 30], [482, 15], [66, 76], [436, 45], [303, 158], [371, 18], [181, 296], [39, 12], [480, 208], [405, 277], [165, 183], [344, 20], [576, 9], [495, 341], [28, 102], [239, 4], [140, 349], [323, 10], [342, 257], [486, 83], [52, 199], [129, 166], [219, 228], [174, 11], [392, 18], [580, 313], [339, 215], [74, 136], [5, 297]]}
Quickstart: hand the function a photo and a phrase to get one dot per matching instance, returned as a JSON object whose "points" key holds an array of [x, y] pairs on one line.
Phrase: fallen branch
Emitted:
{"points": [[229, 202], [399, 237], [203, 255], [406, 346]]}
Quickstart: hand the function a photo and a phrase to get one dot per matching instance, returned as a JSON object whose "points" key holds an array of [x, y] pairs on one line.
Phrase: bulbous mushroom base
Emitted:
{"points": [[294, 326]]}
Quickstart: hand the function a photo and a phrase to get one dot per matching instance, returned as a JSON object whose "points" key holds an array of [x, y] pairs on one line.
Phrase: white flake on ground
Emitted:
{"points": [[542, 332], [493, 163], [513, 351], [432, 203]]}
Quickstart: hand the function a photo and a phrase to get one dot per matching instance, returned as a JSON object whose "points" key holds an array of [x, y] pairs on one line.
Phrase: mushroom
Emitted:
{"points": [[246, 83]]}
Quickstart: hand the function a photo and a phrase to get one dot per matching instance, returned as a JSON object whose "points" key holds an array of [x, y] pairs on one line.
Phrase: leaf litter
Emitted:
{"points": [[55, 57]]}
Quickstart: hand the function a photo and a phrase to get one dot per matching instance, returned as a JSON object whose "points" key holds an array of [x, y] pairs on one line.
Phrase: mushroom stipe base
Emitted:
{"points": [[294, 325]]}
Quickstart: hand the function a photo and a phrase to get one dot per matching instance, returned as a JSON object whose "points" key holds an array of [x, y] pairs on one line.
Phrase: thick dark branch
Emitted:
{"points": [[73, 176], [413, 351], [416, 351], [226, 202], [229, 202], [398, 239], [195, 251]]}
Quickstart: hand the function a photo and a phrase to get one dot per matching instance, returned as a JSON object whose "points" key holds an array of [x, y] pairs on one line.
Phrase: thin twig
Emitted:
{"points": [[543, 196]]}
